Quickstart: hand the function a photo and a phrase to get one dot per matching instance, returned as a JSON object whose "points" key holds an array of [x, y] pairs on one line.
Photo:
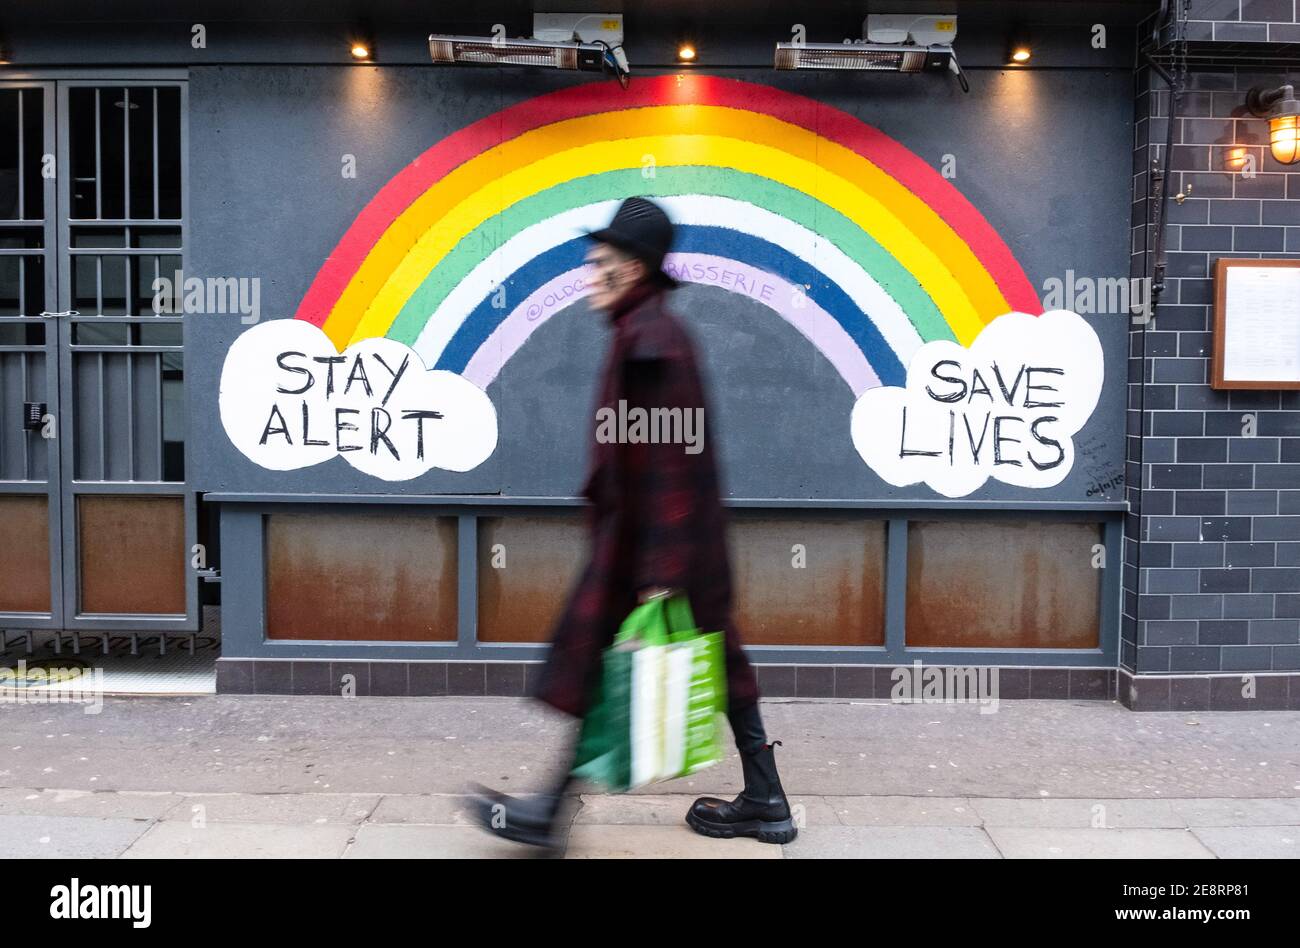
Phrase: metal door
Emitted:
{"points": [[121, 524], [30, 482]]}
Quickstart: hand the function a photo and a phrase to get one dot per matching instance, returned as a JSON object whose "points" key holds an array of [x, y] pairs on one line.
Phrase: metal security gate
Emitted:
{"points": [[106, 465]]}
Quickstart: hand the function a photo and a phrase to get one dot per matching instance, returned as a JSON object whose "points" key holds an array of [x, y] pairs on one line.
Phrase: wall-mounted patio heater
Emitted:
{"points": [[591, 42], [890, 43]]}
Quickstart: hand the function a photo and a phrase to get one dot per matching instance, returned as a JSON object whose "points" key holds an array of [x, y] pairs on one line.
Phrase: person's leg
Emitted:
{"points": [[761, 810], [533, 819]]}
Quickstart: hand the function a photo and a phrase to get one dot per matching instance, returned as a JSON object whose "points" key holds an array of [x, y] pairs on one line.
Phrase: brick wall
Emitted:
{"points": [[1212, 548]]}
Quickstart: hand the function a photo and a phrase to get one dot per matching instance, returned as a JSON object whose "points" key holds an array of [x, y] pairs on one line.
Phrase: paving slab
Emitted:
{"points": [[588, 841], [303, 808], [1021, 843], [891, 842], [174, 839], [902, 811], [67, 837], [412, 841], [1251, 842]]}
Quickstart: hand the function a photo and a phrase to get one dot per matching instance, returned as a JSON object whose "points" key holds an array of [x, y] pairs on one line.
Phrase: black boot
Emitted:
{"points": [[533, 820], [761, 810]]}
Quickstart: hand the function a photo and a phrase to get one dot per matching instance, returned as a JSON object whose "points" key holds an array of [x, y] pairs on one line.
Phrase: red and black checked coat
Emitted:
{"points": [[656, 517]]}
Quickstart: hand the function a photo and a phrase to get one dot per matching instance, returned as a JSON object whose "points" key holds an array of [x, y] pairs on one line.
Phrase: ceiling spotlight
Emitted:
{"points": [[686, 53], [1282, 110], [360, 51], [1019, 49]]}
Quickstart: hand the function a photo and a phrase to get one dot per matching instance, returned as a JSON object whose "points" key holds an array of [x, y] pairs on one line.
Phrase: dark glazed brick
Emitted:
{"points": [[1225, 528], [1226, 580], [505, 678], [1225, 694], [1150, 694], [360, 672], [1049, 683], [1271, 692], [1201, 450], [1152, 659], [1013, 683], [1196, 607], [1245, 658], [1247, 606], [1224, 632], [1090, 683], [312, 678], [1229, 476], [466, 678], [814, 681], [855, 681], [271, 677], [1189, 694], [426, 678], [1194, 659], [776, 681], [1196, 554], [389, 678], [234, 676], [884, 681], [1240, 555], [1267, 11], [1212, 10]]}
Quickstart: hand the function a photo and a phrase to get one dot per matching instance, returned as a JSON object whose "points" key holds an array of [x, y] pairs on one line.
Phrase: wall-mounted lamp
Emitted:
{"points": [[1282, 109], [360, 50], [686, 52]]}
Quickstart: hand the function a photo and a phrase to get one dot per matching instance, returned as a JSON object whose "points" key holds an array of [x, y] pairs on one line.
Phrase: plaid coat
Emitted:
{"points": [[656, 517]]}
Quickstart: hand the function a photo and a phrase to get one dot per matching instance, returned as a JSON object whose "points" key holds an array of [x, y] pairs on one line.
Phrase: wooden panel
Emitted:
{"points": [[835, 598], [526, 569], [360, 576], [24, 553], [995, 584], [132, 555]]}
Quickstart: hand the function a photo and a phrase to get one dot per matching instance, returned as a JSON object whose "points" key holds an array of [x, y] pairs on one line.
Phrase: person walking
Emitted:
{"points": [[657, 527]]}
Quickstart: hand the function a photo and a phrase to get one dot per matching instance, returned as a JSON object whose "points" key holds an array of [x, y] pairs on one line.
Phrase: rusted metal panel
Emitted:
{"points": [[131, 554], [809, 581], [361, 576], [994, 584], [24, 553], [526, 569]]}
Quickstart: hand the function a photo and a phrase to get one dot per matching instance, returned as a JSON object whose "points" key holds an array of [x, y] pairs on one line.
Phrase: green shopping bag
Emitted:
{"points": [[656, 710]]}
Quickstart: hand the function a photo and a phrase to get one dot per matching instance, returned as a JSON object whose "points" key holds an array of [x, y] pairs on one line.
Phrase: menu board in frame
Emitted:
{"points": [[1256, 324]]}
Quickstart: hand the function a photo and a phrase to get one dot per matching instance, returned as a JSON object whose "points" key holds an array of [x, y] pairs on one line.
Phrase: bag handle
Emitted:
{"points": [[662, 620], [678, 615]]}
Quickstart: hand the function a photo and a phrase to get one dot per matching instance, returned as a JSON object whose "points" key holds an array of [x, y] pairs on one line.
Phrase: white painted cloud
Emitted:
{"points": [[1007, 407], [289, 399]]}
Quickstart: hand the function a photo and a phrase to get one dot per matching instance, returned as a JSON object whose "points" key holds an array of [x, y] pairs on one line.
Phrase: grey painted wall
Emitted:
{"points": [[1044, 155]]}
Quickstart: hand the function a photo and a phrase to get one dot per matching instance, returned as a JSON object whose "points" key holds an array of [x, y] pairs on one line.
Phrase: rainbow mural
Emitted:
{"points": [[852, 239]]}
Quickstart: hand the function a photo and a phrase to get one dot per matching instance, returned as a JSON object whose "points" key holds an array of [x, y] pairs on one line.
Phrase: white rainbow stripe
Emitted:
{"points": [[814, 323], [838, 268]]}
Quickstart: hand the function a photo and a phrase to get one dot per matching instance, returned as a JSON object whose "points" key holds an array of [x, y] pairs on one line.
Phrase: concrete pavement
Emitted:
{"points": [[326, 777]]}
